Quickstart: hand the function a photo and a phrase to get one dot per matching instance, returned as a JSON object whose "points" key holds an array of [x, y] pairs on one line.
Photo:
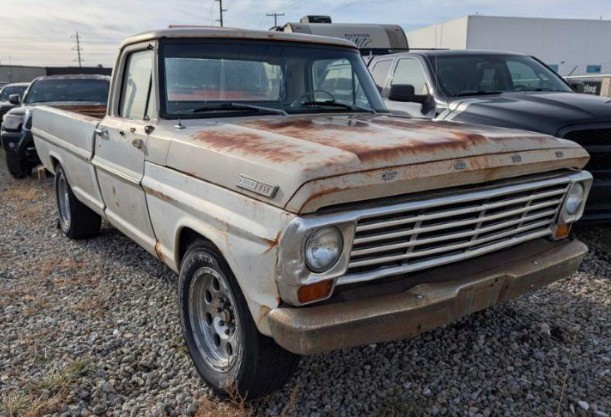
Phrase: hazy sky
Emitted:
{"points": [[37, 32]]}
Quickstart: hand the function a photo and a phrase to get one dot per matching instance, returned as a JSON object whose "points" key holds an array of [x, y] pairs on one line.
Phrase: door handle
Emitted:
{"points": [[137, 143], [102, 133]]}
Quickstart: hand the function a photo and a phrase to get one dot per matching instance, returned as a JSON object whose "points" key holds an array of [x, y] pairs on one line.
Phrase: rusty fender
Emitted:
{"points": [[426, 306]]}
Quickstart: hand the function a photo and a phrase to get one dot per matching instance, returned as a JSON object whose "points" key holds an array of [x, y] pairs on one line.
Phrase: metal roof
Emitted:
{"points": [[211, 32]]}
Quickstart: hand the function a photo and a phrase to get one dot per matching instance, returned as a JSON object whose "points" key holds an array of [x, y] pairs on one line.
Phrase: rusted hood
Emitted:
{"points": [[322, 160]]}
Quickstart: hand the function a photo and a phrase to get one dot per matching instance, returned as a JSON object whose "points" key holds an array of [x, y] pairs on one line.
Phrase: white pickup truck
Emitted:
{"points": [[301, 216]]}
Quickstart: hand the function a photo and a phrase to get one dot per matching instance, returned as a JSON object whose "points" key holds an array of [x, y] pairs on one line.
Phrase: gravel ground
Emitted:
{"points": [[91, 328]]}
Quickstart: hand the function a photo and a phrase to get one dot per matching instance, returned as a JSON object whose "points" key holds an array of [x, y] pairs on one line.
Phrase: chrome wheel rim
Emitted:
{"points": [[63, 201], [213, 319]]}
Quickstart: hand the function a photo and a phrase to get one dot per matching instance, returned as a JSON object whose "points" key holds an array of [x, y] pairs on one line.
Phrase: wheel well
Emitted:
{"points": [[186, 238], [54, 162]]}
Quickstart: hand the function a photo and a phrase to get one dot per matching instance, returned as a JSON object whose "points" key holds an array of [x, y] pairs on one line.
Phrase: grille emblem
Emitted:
{"points": [[256, 186], [559, 154]]}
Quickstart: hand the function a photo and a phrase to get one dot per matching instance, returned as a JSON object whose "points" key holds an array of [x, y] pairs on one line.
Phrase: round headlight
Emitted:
{"points": [[574, 199], [323, 249]]}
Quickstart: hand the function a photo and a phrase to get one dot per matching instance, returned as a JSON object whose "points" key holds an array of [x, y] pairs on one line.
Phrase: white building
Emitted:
{"points": [[570, 46]]}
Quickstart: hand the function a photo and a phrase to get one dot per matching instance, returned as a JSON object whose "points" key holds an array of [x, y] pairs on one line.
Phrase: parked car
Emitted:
{"points": [[85, 93], [502, 89], [5, 93], [301, 222]]}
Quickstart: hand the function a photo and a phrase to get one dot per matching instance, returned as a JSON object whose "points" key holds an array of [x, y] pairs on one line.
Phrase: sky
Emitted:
{"points": [[41, 32]]}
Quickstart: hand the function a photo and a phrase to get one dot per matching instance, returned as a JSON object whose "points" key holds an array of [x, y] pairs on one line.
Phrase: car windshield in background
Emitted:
{"points": [[9, 90], [227, 78], [463, 75], [68, 90]]}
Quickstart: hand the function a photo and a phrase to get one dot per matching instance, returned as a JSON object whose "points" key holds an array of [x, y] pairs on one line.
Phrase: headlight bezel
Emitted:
{"points": [[564, 215]]}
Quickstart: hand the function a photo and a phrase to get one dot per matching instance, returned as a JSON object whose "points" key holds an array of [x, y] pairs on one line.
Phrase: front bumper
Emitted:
{"points": [[442, 295], [21, 143]]}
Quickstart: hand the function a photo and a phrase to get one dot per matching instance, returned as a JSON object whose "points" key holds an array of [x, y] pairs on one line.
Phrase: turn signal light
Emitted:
{"points": [[313, 292], [562, 231]]}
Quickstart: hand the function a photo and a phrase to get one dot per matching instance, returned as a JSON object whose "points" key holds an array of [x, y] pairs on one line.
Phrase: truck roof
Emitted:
{"points": [[457, 52], [73, 77], [211, 32]]}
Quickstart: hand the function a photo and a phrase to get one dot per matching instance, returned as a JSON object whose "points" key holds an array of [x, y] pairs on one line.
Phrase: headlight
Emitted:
{"points": [[574, 199], [323, 249], [12, 122]]}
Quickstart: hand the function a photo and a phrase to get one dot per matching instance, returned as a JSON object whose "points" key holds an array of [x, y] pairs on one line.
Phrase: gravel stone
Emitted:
{"points": [[94, 325]]}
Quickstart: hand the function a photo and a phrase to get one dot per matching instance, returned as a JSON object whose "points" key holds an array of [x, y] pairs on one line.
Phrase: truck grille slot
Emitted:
{"points": [[431, 234]]}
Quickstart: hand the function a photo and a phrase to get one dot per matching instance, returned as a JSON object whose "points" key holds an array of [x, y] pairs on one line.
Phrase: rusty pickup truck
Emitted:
{"points": [[301, 216]]}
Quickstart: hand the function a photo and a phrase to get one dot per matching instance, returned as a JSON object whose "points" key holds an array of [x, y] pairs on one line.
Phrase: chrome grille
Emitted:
{"points": [[423, 234]]}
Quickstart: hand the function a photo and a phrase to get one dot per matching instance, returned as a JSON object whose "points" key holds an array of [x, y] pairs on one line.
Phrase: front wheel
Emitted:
{"points": [[228, 351], [75, 219], [17, 167]]}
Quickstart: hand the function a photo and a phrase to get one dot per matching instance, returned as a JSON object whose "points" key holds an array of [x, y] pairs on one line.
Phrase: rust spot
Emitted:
{"points": [[271, 244], [114, 192], [158, 251], [250, 144], [159, 195]]}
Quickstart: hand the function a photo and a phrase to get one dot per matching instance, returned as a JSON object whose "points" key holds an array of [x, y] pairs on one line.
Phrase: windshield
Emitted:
{"points": [[476, 74], [67, 90], [226, 78], [9, 90]]}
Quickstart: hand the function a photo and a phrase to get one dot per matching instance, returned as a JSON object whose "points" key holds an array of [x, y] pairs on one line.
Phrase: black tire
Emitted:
{"points": [[75, 219], [260, 365], [17, 167]]}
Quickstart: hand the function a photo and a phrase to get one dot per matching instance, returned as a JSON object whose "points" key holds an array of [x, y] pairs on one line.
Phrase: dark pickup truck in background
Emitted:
{"points": [[86, 93], [506, 90]]}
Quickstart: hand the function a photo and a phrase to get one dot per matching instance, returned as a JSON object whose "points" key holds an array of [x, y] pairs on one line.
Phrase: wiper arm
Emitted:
{"points": [[476, 93], [238, 107], [333, 103]]}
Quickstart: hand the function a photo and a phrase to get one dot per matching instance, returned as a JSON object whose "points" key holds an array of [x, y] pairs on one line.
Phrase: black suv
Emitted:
{"points": [[56, 91]]}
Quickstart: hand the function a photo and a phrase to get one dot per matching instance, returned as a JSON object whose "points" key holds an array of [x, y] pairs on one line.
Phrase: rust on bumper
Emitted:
{"points": [[426, 305]]}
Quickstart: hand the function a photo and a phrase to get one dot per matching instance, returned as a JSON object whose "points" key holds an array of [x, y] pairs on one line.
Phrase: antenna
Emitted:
{"points": [[78, 49], [220, 19], [275, 17]]}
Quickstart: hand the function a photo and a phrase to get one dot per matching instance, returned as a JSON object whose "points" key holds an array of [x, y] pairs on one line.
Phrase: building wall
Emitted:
{"points": [[451, 35], [18, 74], [569, 45]]}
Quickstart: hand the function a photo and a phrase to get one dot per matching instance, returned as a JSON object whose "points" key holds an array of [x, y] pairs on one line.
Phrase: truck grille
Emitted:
{"points": [[441, 230], [598, 144]]}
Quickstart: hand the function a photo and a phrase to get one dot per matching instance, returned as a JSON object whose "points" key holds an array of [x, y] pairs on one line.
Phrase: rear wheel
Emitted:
{"points": [[227, 349], [75, 219], [17, 167]]}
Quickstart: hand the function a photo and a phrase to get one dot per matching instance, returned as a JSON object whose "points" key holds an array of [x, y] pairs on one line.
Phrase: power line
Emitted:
{"points": [[275, 17], [221, 10], [78, 50]]}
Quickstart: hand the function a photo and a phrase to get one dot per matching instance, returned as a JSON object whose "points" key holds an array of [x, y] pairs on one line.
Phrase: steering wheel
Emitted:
{"points": [[304, 97]]}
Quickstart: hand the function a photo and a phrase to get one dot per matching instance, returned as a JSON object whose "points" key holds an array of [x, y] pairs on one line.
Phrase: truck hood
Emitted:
{"points": [[545, 112], [321, 160]]}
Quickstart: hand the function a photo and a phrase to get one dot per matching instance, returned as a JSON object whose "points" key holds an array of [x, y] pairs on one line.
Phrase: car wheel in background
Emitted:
{"points": [[17, 167]]}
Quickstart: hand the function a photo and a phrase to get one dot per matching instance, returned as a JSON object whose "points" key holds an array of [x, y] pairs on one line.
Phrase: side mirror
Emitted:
{"points": [[577, 86], [14, 99], [405, 93]]}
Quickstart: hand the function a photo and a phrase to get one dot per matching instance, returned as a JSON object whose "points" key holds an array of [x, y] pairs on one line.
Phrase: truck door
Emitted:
{"points": [[121, 144]]}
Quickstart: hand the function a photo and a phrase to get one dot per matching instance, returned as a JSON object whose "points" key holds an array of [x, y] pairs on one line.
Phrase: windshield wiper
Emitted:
{"points": [[333, 103], [476, 93], [238, 107]]}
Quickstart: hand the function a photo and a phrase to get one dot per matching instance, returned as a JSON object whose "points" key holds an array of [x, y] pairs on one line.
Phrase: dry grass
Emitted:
{"points": [[44, 396], [237, 406], [25, 197]]}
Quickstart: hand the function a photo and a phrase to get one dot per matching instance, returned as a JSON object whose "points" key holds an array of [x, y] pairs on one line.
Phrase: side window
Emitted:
{"points": [[135, 93], [409, 71], [379, 72]]}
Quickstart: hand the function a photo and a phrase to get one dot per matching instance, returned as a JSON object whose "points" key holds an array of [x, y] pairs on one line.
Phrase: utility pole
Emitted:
{"points": [[275, 17], [221, 10], [78, 49]]}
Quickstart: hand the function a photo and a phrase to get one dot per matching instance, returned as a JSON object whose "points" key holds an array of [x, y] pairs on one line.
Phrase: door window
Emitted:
{"points": [[136, 91], [409, 71], [379, 72]]}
